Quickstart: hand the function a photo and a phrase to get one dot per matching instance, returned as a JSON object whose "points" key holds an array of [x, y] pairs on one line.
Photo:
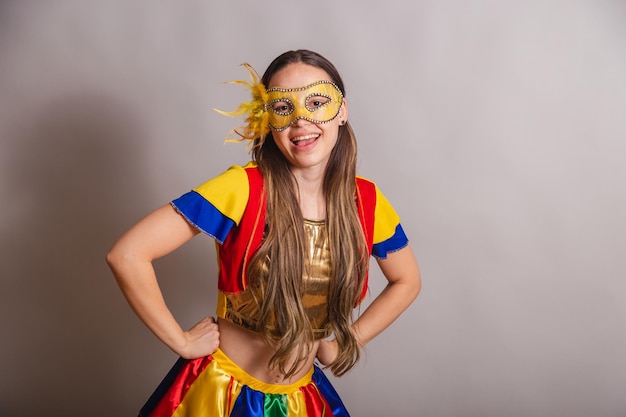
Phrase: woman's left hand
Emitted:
{"points": [[327, 351]]}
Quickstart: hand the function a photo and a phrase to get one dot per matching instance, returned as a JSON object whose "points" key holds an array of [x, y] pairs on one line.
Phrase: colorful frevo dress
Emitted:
{"points": [[231, 209]]}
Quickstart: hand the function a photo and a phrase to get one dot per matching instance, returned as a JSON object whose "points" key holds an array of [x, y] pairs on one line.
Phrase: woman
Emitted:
{"points": [[295, 229]]}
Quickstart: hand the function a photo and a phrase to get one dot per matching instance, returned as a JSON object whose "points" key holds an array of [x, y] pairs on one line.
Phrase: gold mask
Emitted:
{"points": [[319, 102]]}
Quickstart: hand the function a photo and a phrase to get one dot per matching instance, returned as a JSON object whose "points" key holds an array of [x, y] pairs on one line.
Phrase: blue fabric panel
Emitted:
{"points": [[203, 215], [249, 403], [394, 243], [329, 393]]}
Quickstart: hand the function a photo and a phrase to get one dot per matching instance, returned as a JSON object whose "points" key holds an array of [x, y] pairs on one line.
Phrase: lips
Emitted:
{"points": [[304, 140]]}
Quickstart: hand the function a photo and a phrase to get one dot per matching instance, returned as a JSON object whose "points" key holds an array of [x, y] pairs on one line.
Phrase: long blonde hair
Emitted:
{"points": [[285, 245]]}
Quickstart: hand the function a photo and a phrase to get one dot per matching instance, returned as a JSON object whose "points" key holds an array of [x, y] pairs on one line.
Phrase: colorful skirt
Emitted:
{"points": [[214, 386]]}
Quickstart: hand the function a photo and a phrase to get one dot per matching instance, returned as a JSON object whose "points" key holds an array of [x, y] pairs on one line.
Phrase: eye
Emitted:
{"points": [[315, 102], [282, 107]]}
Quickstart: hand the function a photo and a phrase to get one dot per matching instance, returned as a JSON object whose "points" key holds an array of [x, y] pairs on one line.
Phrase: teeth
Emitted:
{"points": [[305, 137]]}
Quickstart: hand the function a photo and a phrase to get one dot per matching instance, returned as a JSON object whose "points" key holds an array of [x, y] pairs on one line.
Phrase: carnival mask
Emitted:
{"points": [[318, 103], [278, 108]]}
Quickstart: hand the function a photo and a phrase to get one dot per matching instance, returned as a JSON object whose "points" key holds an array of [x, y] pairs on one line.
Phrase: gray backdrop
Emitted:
{"points": [[495, 128]]}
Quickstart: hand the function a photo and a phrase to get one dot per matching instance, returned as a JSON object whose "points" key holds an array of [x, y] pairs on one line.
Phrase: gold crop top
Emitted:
{"points": [[242, 309]]}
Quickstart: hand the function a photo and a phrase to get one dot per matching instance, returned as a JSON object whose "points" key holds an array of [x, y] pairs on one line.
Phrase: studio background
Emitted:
{"points": [[496, 129]]}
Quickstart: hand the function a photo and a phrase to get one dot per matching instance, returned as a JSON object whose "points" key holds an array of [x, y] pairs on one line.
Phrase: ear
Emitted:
{"points": [[343, 112]]}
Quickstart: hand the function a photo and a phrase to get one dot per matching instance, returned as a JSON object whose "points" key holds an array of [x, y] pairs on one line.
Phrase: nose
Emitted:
{"points": [[301, 122]]}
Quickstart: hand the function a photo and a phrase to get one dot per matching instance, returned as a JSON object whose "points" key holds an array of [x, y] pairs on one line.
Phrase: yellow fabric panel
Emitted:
{"points": [[244, 378], [197, 403], [214, 392], [386, 219], [297, 405], [228, 192]]}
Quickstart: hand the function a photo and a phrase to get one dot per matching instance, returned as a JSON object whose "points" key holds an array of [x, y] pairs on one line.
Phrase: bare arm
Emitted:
{"points": [[130, 259], [401, 270]]}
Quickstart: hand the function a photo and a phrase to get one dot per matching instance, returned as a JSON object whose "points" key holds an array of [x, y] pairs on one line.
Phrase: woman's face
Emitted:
{"points": [[306, 144]]}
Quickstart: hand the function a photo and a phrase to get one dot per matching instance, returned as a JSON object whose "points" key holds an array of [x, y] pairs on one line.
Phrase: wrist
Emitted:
{"points": [[178, 343]]}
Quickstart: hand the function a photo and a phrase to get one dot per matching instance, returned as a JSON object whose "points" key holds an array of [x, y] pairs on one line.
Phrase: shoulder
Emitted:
{"points": [[370, 193], [366, 190], [388, 234], [217, 205], [234, 180]]}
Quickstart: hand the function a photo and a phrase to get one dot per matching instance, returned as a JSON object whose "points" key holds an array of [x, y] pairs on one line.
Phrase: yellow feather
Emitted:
{"points": [[256, 124]]}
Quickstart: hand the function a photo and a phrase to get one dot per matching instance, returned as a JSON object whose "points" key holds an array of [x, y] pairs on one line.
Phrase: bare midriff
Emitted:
{"points": [[240, 338], [251, 353]]}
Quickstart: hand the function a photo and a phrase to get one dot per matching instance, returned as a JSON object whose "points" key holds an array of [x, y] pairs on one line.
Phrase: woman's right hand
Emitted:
{"points": [[202, 339]]}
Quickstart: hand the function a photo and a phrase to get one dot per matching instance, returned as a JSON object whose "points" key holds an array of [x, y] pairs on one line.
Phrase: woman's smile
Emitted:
{"points": [[304, 140]]}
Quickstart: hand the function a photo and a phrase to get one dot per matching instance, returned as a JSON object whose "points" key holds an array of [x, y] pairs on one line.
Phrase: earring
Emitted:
{"points": [[342, 123]]}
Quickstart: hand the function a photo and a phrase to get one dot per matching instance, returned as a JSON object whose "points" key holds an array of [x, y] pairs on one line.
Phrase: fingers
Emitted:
{"points": [[202, 339], [205, 323]]}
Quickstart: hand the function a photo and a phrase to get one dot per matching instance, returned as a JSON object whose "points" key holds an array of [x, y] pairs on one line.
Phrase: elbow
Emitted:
{"points": [[114, 261], [117, 259], [113, 258], [416, 285], [122, 265]]}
